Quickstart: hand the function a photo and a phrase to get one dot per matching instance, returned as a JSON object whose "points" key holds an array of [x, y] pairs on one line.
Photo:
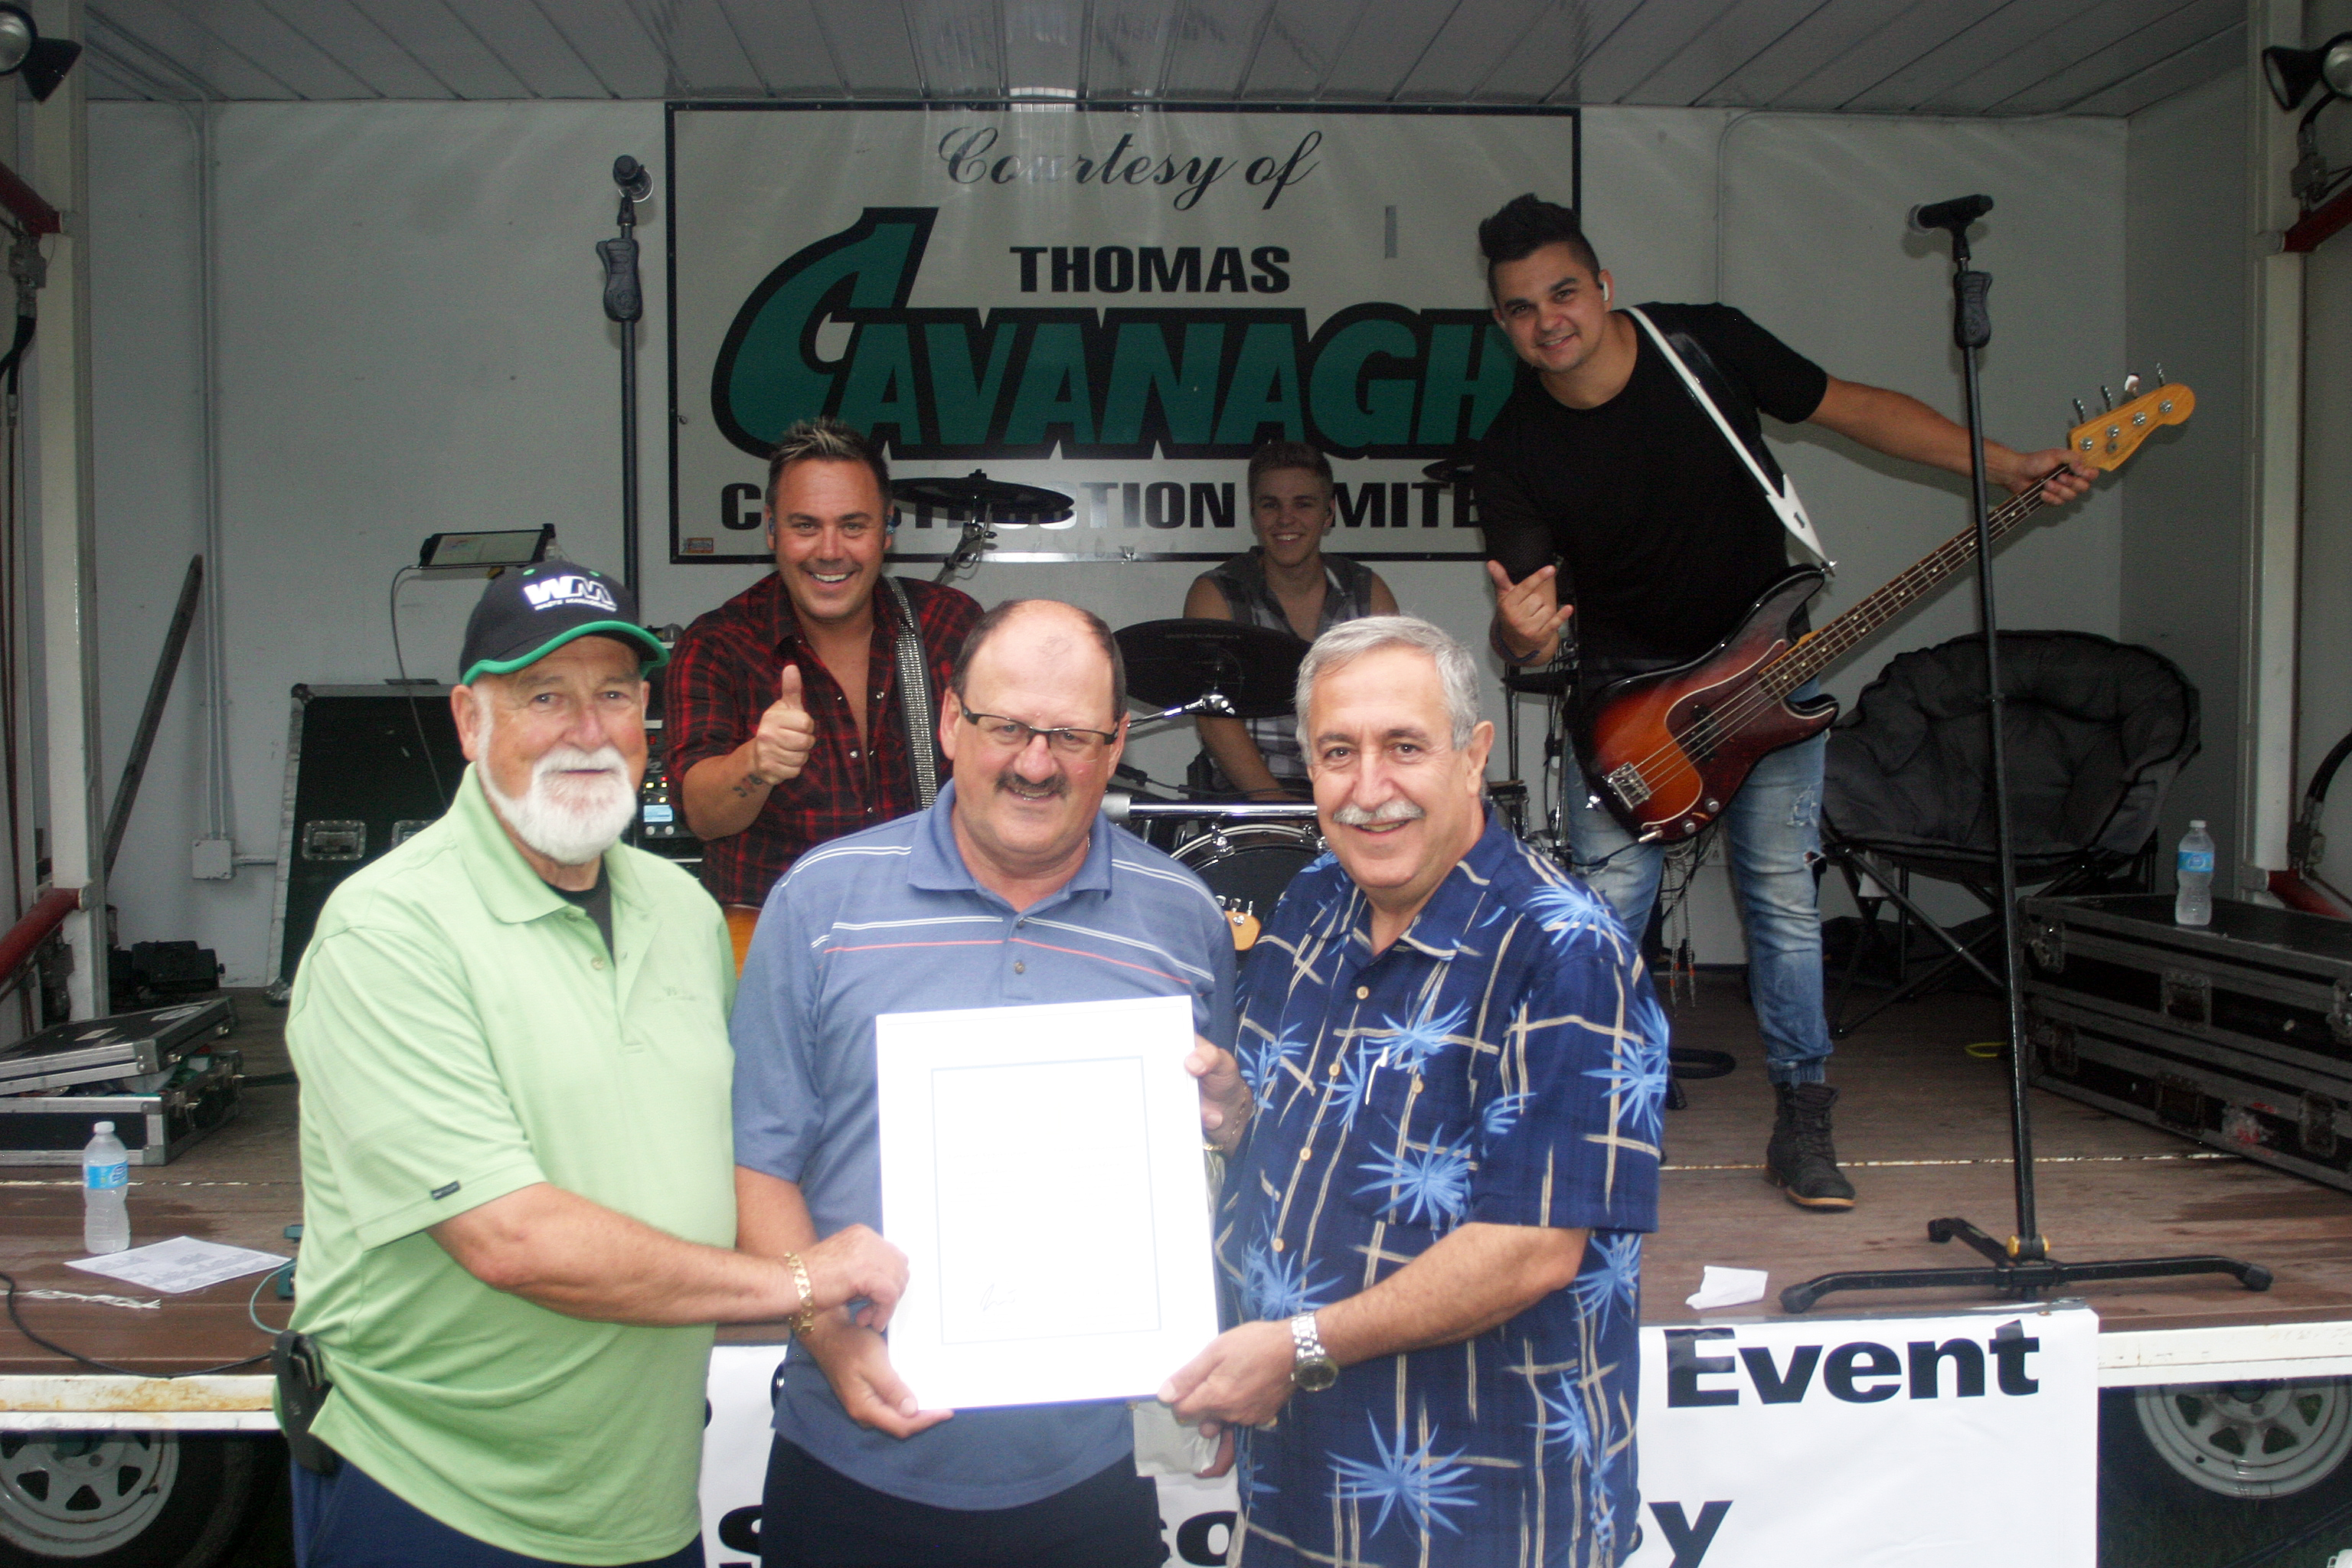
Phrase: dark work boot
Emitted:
{"points": [[1800, 1160]]}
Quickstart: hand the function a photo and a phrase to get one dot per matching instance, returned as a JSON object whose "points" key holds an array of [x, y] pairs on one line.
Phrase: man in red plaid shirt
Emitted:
{"points": [[786, 723]]}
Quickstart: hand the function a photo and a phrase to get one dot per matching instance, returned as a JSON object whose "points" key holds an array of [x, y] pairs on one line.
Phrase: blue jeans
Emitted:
{"points": [[1773, 830], [349, 1519]]}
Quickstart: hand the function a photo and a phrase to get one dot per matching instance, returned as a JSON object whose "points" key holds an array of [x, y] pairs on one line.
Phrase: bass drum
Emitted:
{"points": [[1247, 865]]}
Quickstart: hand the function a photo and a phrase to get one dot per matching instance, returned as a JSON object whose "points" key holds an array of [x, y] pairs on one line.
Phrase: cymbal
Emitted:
{"points": [[1000, 499], [1170, 663]]}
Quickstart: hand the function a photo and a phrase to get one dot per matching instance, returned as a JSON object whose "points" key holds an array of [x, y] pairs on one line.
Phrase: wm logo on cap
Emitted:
{"points": [[568, 590]]}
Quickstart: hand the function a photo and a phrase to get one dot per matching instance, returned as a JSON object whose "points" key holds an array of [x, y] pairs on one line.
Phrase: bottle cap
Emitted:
{"points": [[2195, 824], [102, 1127]]}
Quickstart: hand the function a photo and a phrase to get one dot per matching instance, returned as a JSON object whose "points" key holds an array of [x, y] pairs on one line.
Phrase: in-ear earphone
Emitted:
{"points": [[1604, 290]]}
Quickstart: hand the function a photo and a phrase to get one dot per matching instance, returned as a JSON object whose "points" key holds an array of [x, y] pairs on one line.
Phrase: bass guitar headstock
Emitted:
{"points": [[2107, 441]]}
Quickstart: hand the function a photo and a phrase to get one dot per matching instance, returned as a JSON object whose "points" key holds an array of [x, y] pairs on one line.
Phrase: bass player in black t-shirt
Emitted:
{"points": [[1604, 463]]}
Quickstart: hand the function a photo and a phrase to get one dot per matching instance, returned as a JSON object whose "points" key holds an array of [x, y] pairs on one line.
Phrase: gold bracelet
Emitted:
{"points": [[805, 1319]]}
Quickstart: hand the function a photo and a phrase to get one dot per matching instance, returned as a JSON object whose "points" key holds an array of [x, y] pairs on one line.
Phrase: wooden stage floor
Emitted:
{"points": [[1921, 1130]]}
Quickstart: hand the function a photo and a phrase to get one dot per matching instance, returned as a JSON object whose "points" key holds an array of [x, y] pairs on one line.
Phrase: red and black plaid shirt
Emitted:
{"points": [[723, 678]]}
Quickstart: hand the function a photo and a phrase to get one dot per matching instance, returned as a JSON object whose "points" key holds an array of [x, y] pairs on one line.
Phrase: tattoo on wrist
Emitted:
{"points": [[747, 782]]}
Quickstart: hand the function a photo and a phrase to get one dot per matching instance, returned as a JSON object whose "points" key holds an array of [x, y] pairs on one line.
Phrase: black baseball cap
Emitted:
{"points": [[529, 612]]}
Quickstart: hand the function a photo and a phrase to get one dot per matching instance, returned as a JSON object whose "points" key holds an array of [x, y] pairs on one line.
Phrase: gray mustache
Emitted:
{"points": [[1398, 810]]}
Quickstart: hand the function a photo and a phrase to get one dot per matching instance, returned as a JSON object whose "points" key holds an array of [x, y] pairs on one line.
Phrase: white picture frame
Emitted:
{"points": [[1041, 1169]]}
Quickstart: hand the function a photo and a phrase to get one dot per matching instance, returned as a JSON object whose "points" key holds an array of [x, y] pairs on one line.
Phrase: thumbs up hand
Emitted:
{"points": [[786, 735]]}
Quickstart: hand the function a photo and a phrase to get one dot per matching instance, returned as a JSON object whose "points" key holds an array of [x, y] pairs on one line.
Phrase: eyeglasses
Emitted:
{"points": [[1012, 736]]}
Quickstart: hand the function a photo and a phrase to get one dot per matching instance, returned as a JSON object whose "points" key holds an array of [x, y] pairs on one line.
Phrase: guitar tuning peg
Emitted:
{"points": [[2162, 379], [2082, 415], [2106, 398], [2131, 385]]}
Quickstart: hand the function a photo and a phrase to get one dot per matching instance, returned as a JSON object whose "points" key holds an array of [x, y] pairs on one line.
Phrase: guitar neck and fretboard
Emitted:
{"points": [[1853, 627], [2103, 443]]}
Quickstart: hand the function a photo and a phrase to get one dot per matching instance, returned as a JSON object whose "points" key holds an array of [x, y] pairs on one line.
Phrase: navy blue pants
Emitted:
{"points": [[349, 1520], [812, 1516]]}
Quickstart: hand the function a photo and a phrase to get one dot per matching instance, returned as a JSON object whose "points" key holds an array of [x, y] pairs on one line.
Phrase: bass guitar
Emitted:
{"points": [[1668, 750]]}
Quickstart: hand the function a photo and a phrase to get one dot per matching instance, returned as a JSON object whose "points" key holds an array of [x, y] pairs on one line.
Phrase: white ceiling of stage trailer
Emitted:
{"points": [[1967, 56]]}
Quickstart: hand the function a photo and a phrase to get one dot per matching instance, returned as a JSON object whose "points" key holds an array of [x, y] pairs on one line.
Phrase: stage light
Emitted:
{"points": [[42, 62], [2292, 73]]}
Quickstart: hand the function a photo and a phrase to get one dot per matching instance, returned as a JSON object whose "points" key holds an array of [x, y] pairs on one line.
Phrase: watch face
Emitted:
{"points": [[1315, 1376]]}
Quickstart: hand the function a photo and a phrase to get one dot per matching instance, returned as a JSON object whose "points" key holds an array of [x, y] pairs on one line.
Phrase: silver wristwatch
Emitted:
{"points": [[1312, 1370]]}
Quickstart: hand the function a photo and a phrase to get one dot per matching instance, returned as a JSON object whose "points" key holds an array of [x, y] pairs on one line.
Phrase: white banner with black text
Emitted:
{"points": [[1941, 1442], [1886, 1442]]}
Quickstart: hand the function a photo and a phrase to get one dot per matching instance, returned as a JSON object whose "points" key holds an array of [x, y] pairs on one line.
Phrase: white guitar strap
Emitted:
{"points": [[1782, 496]]}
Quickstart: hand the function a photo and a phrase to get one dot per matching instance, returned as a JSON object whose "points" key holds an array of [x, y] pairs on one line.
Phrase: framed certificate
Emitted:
{"points": [[1041, 1170]]}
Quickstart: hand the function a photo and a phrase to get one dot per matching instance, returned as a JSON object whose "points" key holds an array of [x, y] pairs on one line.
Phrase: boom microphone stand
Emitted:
{"points": [[2024, 1268], [624, 302]]}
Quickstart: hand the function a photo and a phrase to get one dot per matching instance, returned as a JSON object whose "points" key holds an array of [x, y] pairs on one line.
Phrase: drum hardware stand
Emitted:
{"points": [[1212, 703], [1121, 807], [624, 302], [1683, 863], [2022, 1268], [977, 540], [980, 502]]}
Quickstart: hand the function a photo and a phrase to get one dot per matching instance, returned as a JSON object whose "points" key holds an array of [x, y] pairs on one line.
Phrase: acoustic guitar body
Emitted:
{"points": [[1668, 750]]}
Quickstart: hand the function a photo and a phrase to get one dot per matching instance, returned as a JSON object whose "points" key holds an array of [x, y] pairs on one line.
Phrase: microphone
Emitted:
{"points": [[1954, 214], [636, 181]]}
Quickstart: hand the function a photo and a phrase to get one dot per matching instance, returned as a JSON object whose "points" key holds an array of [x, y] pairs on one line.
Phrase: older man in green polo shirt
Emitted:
{"points": [[517, 1157]]}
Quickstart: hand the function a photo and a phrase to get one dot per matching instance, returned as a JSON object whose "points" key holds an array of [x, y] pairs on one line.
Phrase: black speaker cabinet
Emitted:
{"points": [[366, 766]]}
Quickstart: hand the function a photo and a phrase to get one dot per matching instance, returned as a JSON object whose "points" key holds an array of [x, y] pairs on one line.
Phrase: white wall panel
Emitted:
{"points": [[150, 500], [1816, 248], [2185, 497]]}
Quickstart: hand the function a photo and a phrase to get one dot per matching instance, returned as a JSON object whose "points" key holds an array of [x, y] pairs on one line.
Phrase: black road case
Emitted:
{"points": [[2238, 1033], [135, 1049], [200, 1094]]}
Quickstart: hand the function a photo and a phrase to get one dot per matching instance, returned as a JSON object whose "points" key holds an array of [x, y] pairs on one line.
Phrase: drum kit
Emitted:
{"points": [[1246, 851]]}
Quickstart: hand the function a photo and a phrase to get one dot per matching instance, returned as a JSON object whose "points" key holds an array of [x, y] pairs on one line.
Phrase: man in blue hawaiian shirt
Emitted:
{"points": [[1434, 1220]]}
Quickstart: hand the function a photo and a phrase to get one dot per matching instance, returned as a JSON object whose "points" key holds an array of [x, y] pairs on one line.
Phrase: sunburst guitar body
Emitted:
{"points": [[1668, 750]]}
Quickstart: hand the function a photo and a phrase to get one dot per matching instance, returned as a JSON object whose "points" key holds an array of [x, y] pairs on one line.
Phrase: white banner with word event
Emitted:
{"points": [[1883, 1442], [1940, 1442]]}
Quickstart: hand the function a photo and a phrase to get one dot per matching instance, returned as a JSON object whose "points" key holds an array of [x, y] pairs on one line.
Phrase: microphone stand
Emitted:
{"points": [[2023, 1269], [624, 303]]}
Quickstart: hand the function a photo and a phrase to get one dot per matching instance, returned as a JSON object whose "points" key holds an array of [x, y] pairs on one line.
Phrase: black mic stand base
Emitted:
{"points": [[2013, 1278]]}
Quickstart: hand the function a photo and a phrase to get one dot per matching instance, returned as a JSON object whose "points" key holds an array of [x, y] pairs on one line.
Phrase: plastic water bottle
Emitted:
{"points": [[105, 1183], [2192, 904]]}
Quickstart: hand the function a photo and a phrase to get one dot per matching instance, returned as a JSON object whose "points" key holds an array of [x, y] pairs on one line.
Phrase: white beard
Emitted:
{"points": [[570, 819]]}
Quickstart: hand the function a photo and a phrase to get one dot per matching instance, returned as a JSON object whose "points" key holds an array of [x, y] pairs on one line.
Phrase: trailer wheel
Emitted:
{"points": [[127, 1499], [2202, 1475], [2250, 1439]]}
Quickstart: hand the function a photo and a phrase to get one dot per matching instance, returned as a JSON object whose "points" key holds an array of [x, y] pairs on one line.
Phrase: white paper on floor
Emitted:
{"points": [[180, 1265], [1729, 1287]]}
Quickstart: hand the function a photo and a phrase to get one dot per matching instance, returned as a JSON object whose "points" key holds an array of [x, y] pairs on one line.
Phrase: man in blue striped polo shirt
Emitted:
{"points": [[1012, 889]]}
